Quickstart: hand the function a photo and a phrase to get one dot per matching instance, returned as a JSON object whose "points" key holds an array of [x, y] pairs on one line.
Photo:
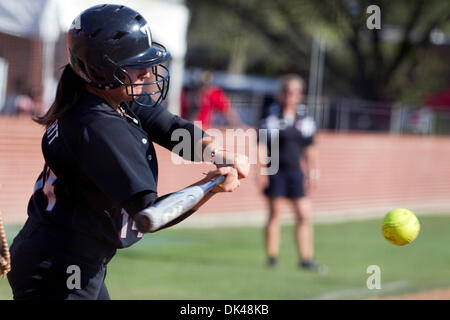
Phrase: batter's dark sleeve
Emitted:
{"points": [[161, 125], [114, 160], [139, 202]]}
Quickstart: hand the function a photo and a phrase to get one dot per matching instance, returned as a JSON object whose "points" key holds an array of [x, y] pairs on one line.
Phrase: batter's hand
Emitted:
{"points": [[235, 160], [231, 182]]}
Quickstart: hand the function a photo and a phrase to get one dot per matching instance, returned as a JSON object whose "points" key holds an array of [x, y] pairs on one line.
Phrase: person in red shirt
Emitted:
{"points": [[206, 102]]}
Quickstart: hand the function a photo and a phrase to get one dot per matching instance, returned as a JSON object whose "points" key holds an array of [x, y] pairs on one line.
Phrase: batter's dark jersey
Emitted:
{"points": [[96, 161], [293, 135]]}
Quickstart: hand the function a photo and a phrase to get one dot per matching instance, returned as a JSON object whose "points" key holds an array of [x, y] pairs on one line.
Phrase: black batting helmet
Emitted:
{"points": [[105, 39]]}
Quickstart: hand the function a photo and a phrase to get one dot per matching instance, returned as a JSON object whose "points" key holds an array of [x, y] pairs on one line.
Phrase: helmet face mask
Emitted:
{"points": [[106, 40], [156, 87]]}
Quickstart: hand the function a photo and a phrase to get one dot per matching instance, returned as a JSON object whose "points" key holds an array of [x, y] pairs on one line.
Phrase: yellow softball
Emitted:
{"points": [[400, 226]]}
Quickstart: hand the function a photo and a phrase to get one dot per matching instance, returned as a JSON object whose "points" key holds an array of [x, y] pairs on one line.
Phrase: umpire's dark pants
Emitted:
{"points": [[49, 263]]}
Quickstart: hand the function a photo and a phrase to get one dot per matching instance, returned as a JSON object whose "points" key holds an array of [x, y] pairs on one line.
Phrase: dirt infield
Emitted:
{"points": [[435, 294]]}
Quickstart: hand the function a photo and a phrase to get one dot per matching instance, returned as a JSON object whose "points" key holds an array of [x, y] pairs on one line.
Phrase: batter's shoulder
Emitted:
{"points": [[91, 116]]}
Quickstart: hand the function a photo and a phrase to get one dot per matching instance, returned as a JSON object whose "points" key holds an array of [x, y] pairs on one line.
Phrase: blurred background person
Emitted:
{"points": [[204, 102], [20, 102], [298, 170]]}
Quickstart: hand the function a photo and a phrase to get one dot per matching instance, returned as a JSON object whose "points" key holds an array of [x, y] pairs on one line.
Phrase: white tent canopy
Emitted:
{"points": [[48, 19], [30, 19]]}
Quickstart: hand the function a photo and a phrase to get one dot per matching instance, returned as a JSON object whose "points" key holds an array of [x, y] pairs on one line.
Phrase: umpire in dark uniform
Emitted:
{"points": [[100, 164], [289, 122]]}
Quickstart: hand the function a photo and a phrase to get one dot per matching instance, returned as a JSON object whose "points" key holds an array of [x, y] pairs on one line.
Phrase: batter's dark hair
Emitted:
{"points": [[68, 92]]}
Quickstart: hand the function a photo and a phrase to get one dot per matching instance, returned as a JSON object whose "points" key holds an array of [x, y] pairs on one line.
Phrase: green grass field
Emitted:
{"points": [[229, 263]]}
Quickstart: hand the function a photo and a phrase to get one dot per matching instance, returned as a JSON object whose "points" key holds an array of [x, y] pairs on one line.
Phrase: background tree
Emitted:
{"points": [[269, 37]]}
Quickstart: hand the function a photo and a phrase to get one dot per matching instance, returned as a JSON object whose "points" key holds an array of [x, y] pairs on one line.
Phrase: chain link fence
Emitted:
{"points": [[344, 114], [397, 118]]}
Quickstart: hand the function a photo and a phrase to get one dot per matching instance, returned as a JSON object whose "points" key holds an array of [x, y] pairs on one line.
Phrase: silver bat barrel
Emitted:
{"points": [[176, 204]]}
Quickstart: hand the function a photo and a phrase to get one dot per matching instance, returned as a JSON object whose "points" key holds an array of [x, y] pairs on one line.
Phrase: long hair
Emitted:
{"points": [[68, 92]]}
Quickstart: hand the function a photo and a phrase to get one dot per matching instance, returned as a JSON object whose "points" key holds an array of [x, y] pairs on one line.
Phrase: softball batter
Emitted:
{"points": [[100, 164]]}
